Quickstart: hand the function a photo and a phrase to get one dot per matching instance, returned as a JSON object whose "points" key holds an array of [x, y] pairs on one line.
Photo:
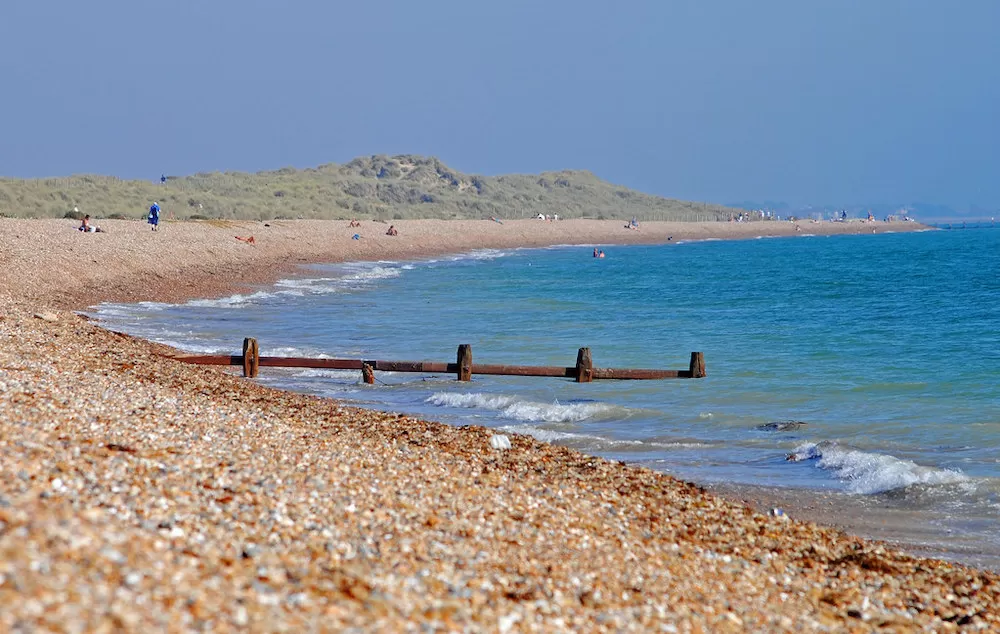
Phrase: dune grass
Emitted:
{"points": [[375, 187]]}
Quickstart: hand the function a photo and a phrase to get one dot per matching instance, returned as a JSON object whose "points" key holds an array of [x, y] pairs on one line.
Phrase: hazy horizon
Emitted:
{"points": [[891, 102]]}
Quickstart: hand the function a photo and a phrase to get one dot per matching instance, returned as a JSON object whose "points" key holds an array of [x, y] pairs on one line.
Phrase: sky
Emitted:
{"points": [[815, 102]]}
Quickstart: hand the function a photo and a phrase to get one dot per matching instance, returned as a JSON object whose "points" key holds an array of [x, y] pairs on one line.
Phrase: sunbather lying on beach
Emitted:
{"points": [[248, 239]]}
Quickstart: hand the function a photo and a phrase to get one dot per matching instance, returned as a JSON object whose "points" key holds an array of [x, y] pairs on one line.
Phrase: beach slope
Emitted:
{"points": [[137, 492]]}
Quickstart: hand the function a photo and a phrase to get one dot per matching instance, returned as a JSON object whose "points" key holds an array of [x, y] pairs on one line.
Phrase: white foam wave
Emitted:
{"points": [[869, 473], [193, 348], [514, 408], [553, 435], [229, 302], [307, 373], [356, 276], [480, 254], [113, 311]]}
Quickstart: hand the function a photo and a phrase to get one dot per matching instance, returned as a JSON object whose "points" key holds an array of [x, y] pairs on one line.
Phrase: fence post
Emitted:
{"points": [[368, 373], [465, 362], [584, 366], [251, 358], [697, 365]]}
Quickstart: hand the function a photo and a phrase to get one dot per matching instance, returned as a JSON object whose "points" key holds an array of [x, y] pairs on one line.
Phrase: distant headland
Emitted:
{"points": [[375, 187]]}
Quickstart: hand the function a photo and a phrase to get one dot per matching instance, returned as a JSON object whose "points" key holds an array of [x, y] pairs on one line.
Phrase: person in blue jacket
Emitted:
{"points": [[154, 215]]}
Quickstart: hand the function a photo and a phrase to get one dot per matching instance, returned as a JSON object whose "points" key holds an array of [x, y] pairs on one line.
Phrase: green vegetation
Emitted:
{"points": [[376, 187]]}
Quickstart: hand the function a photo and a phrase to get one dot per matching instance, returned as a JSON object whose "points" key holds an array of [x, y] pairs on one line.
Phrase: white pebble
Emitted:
{"points": [[499, 441]]}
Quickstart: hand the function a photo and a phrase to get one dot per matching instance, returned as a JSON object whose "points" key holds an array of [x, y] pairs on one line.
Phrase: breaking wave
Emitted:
{"points": [[869, 473], [511, 407]]}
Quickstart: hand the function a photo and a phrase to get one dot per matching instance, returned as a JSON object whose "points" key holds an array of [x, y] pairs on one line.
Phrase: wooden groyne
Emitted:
{"points": [[463, 368]]}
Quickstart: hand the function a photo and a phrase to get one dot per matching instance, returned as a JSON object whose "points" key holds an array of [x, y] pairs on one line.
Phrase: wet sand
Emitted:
{"points": [[137, 492]]}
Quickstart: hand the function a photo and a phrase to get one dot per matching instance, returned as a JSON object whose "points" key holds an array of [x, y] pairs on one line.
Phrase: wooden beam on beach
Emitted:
{"points": [[697, 368], [465, 362], [251, 358], [583, 372], [584, 366]]}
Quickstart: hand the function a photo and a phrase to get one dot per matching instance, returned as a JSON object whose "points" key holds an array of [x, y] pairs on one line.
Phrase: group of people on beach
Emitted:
{"points": [[153, 218]]}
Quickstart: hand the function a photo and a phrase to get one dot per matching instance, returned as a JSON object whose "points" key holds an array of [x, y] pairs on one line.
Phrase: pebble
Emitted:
{"points": [[499, 441]]}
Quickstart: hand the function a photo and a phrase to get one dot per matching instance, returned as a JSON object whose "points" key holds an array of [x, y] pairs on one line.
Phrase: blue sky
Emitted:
{"points": [[834, 102]]}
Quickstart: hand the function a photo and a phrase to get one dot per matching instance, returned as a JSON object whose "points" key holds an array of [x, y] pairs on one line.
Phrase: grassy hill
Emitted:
{"points": [[376, 187]]}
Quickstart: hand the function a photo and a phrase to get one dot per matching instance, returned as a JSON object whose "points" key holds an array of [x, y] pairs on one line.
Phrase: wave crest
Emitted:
{"points": [[513, 408], [870, 473]]}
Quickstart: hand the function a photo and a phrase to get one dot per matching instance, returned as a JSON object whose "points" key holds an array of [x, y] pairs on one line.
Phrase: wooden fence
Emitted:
{"points": [[583, 372]]}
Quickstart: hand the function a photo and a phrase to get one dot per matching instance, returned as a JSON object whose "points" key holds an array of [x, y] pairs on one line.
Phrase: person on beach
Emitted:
{"points": [[392, 231], [86, 227], [154, 215]]}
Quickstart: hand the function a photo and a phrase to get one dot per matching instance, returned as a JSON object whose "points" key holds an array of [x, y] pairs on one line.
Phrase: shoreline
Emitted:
{"points": [[199, 259], [147, 493]]}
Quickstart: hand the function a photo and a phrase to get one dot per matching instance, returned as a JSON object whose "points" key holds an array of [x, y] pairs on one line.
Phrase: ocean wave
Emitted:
{"points": [[232, 301], [108, 311], [191, 348], [292, 351], [320, 373], [869, 473], [554, 435], [595, 443], [356, 276], [517, 409], [480, 254]]}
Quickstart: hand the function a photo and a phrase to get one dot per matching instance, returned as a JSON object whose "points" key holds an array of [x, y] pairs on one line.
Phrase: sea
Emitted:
{"points": [[851, 379]]}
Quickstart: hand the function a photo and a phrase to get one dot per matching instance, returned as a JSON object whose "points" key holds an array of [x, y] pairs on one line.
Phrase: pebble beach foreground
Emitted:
{"points": [[138, 493]]}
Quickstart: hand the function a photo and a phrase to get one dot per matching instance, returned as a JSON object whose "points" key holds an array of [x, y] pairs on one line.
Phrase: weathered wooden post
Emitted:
{"points": [[465, 362], [251, 358], [584, 366], [368, 373], [697, 365]]}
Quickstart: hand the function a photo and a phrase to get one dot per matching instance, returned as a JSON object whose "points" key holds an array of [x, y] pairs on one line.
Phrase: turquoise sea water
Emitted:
{"points": [[887, 347]]}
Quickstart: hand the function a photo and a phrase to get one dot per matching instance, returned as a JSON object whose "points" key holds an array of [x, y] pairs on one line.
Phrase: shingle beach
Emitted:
{"points": [[138, 493]]}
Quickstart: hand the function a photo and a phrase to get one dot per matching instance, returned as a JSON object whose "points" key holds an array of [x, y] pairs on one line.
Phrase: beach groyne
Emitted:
{"points": [[463, 368]]}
